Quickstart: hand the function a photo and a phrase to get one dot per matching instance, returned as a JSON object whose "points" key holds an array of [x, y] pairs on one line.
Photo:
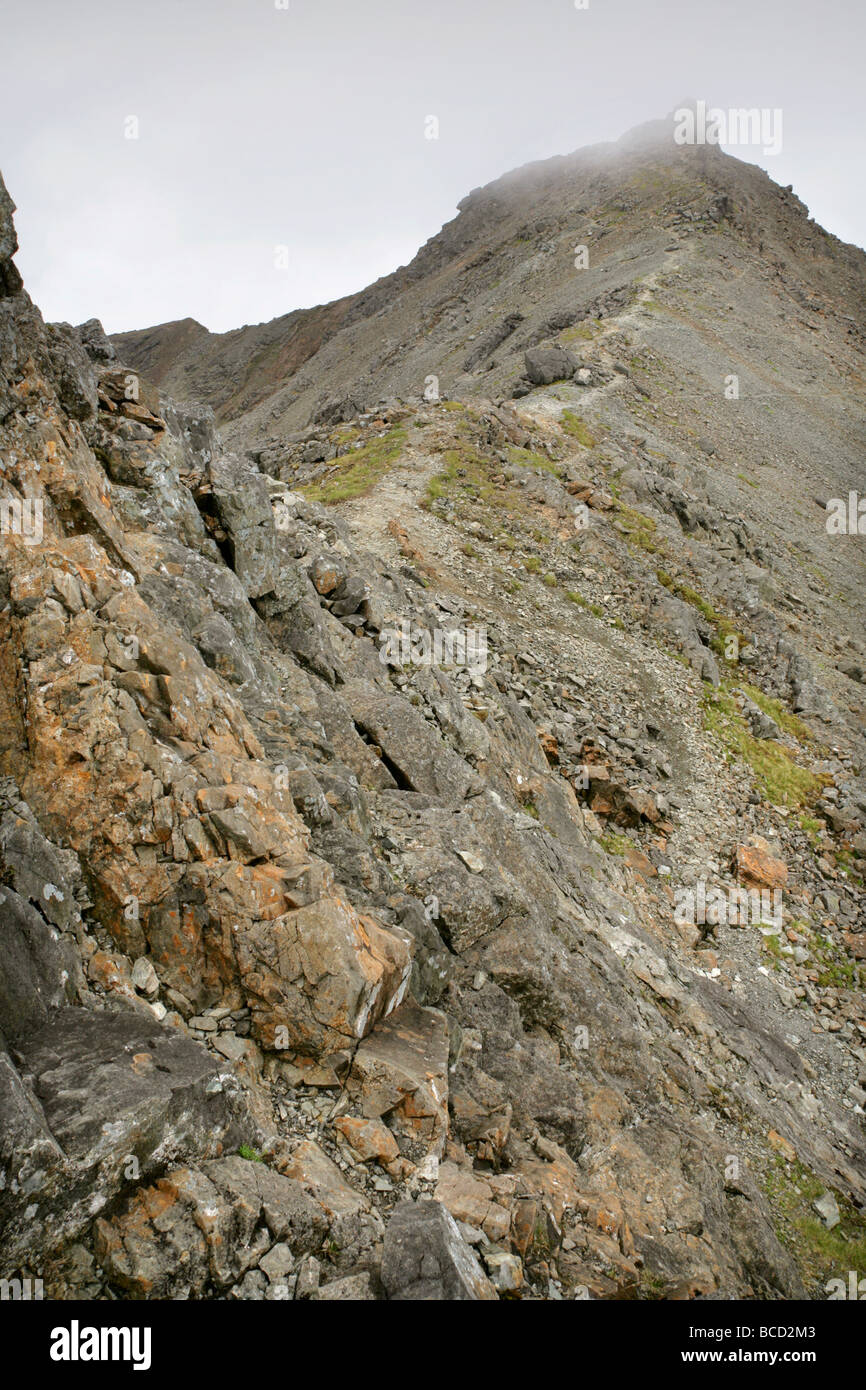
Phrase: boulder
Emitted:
{"points": [[110, 1097], [318, 978], [544, 365], [417, 759], [200, 1230], [425, 1258], [95, 341], [401, 1071], [757, 867]]}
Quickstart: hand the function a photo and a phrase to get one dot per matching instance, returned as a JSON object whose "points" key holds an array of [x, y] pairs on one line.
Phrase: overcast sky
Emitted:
{"points": [[304, 127]]}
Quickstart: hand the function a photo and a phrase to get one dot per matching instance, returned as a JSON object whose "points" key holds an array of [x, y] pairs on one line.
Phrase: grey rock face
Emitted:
{"points": [[337, 409], [353, 1288], [106, 1097], [35, 967], [8, 237], [203, 1230], [491, 340], [95, 341], [72, 370], [417, 759], [678, 619], [425, 1258], [243, 505]]}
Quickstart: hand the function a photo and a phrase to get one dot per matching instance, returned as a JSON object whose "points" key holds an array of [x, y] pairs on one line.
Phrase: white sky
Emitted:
{"points": [[304, 127]]}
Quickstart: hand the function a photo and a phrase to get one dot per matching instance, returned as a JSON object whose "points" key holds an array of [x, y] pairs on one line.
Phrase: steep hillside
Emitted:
{"points": [[456, 803]]}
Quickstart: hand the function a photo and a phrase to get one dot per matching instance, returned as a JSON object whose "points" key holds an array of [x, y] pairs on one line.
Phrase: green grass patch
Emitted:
{"points": [[836, 970], [357, 472], [468, 476], [723, 627], [580, 332], [577, 429], [813, 828], [574, 597], [612, 842], [638, 529], [781, 779], [821, 1255], [773, 947], [528, 458], [345, 434], [776, 710]]}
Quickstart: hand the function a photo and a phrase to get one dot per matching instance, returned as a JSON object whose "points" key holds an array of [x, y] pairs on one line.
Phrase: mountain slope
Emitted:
{"points": [[510, 251], [286, 874]]}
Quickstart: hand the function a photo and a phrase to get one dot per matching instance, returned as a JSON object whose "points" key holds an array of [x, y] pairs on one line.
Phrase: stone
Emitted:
{"points": [[350, 1224], [505, 1270], [757, 867], [96, 343], [144, 977], [327, 573], [417, 759], [401, 1071], [352, 1288], [243, 505], [828, 1209], [35, 977], [320, 977], [201, 1229], [118, 1094], [309, 1274], [229, 1045], [369, 1139], [472, 1200], [290, 1215], [278, 1263], [544, 365], [425, 1258]]}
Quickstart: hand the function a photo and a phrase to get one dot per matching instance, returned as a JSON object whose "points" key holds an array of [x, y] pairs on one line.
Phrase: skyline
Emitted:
{"points": [[202, 175]]}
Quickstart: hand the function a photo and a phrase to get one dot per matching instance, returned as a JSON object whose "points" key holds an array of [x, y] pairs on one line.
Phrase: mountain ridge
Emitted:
{"points": [[254, 352]]}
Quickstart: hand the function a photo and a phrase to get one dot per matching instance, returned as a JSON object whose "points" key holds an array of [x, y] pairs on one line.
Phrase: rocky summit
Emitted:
{"points": [[433, 766]]}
